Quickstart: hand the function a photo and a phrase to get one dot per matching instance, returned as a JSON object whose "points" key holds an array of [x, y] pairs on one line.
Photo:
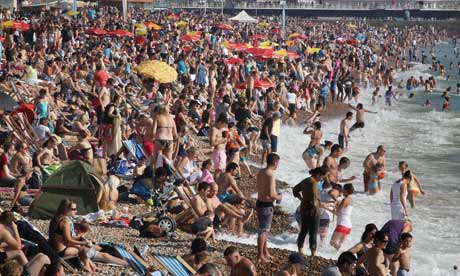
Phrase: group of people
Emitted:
{"points": [[226, 108]]}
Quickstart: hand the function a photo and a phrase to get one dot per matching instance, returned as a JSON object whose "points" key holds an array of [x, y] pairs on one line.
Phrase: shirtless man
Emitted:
{"points": [[344, 134], [359, 116], [312, 155], [46, 156], [20, 159], [232, 214], [144, 129], [266, 188], [198, 202], [218, 141], [331, 163], [370, 161], [228, 189], [403, 256], [240, 266]]}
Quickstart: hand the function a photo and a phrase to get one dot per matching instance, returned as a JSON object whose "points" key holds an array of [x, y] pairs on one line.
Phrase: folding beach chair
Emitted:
{"points": [[175, 265], [32, 236], [134, 148], [135, 262]]}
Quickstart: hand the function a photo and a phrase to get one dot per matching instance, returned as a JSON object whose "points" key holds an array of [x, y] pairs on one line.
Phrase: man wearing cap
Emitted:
{"points": [[240, 266], [294, 266]]}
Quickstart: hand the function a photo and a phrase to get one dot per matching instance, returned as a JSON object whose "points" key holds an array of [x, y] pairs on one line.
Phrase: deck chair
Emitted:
{"points": [[135, 262], [33, 236], [134, 148], [175, 265]]}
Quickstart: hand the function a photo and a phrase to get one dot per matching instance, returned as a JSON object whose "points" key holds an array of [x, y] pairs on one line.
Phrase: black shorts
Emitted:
{"points": [[391, 249]]}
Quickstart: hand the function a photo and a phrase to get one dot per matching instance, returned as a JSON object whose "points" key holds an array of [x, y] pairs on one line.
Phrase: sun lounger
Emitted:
{"points": [[135, 262], [175, 265]]}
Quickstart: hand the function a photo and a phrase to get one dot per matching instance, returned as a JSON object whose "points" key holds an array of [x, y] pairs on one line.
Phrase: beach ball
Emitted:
{"points": [[381, 175]]}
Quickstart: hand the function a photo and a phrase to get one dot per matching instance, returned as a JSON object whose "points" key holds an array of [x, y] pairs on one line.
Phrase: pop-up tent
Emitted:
{"points": [[243, 17], [76, 181]]}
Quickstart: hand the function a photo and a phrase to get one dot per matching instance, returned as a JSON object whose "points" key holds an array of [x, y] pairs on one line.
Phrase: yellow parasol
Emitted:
{"points": [[157, 70], [7, 24], [140, 29], [313, 51], [281, 53], [72, 13], [267, 44], [182, 24], [350, 26], [264, 24]]}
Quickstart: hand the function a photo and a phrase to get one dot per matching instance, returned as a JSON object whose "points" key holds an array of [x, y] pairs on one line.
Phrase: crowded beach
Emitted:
{"points": [[132, 143]]}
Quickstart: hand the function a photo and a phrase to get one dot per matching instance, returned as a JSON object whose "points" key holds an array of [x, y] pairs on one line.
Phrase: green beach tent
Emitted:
{"points": [[77, 181]]}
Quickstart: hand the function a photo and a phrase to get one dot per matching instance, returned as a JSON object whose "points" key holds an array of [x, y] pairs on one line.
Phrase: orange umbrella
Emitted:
{"points": [[152, 25], [16, 25], [173, 16], [225, 27]]}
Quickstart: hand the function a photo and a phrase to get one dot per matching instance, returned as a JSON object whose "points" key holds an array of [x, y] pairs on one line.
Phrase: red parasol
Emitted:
{"points": [[96, 32], [139, 40], [193, 38], [233, 60], [259, 52], [353, 42], [120, 33], [225, 27], [258, 36], [28, 110], [263, 84], [276, 30]]}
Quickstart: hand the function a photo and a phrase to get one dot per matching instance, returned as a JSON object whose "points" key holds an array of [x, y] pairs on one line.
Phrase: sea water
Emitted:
{"points": [[427, 138]]}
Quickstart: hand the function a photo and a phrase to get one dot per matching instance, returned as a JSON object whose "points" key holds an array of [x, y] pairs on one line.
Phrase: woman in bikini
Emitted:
{"points": [[165, 132], [362, 247], [415, 187], [62, 235]]}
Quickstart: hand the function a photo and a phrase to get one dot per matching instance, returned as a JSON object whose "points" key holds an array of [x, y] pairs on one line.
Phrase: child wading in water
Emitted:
{"points": [[343, 213]]}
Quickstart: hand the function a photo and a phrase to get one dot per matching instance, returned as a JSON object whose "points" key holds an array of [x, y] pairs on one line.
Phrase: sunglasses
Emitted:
{"points": [[74, 209]]}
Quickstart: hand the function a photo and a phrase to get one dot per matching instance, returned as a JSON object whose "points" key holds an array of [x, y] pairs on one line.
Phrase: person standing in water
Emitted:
{"points": [[359, 116], [344, 134], [343, 212], [314, 147], [371, 160], [415, 187], [266, 188], [403, 256], [398, 197], [388, 95]]}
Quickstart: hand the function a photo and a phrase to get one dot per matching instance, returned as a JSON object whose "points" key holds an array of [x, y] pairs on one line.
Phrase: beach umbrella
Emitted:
{"points": [[260, 52], [16, 25], [120, 33], [233, 60], [7, 103], [192, 38], [284, 53], [313, 51], [72, 13], [153, 26], [263, 84], [157, 70], [350, 26], [195, 33], [340, 41], [96, 31], [276, 30], [263, 24], [352, 41], [182, 24], [173, 16], [298, 36], [235, 46], [139, 40], [258, 36], [225, 27]]}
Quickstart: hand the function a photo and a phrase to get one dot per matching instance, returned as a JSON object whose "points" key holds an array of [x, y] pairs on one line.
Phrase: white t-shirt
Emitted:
{"points": [[42, 131], [291, 98]]}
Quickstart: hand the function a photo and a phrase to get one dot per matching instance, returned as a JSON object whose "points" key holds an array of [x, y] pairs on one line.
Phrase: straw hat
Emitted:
{"points": [[56, 138]]}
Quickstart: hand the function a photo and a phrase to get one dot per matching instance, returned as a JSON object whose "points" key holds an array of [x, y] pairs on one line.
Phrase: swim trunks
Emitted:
{"points": [[164, 143], [227, 197], [264, 215], [219, 158], [403, 272], [343, 230], [311, 151]]}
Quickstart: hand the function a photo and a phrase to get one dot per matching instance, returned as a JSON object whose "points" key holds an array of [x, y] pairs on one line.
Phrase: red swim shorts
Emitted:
{"points": [[148, 147], [343, 230]]}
